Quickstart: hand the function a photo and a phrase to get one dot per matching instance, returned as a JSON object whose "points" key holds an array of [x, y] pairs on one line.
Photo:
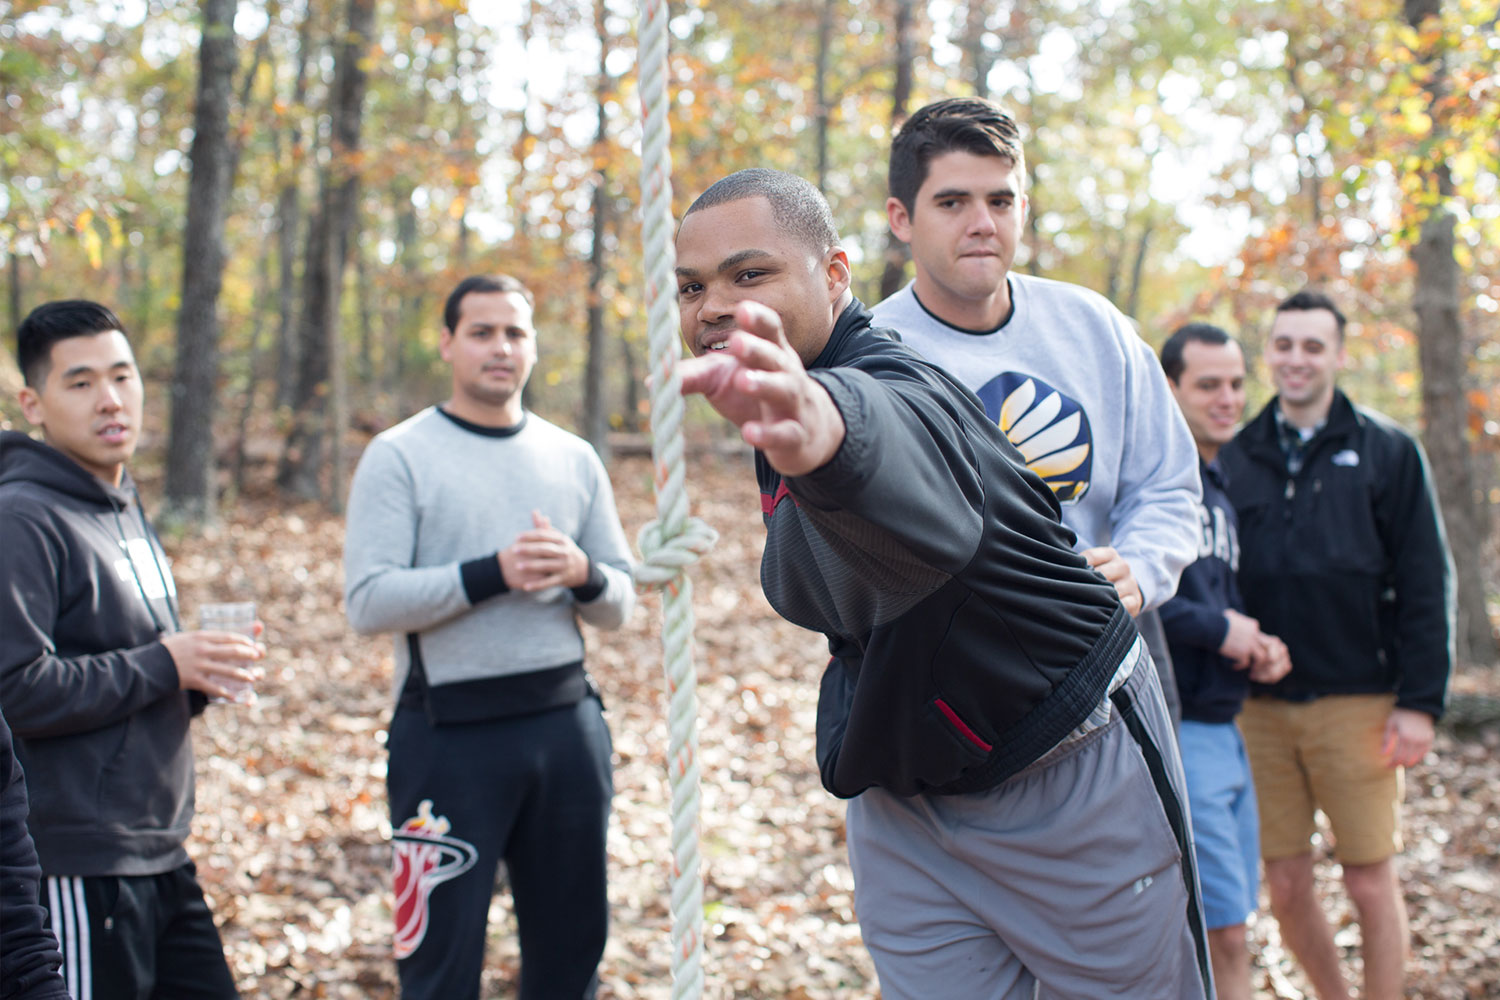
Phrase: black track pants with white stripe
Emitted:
{"points": [[137, 937]]}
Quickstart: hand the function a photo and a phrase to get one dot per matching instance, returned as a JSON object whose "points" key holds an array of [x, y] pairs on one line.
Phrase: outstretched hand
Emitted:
{"points": [[757, 382]]}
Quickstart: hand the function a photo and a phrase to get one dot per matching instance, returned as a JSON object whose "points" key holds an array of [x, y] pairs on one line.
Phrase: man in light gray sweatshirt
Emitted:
{"points": [[480, 533], [1058, 368]]}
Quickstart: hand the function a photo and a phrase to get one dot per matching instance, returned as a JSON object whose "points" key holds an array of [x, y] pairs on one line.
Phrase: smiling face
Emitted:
{"points": [[90, 402], [1304, 353], [964, 227], [735, 251], [1211, 393], [492, 351]]}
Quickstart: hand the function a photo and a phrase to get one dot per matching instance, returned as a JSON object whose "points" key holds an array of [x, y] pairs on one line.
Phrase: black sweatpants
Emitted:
{"points": [[137, 937], [533, 791]]}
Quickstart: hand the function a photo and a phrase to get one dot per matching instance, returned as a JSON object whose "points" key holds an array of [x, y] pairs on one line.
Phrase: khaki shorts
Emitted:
{"points": [[1324, 754]]}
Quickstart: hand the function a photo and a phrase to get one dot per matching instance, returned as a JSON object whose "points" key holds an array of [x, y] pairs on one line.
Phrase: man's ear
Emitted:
{"points": [[836, 263], [899, 218], [31, 404], [445, 343]]}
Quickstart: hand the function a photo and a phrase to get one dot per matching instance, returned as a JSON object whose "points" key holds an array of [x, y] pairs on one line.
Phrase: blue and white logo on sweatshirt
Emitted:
{"points": [[1049, 429]]}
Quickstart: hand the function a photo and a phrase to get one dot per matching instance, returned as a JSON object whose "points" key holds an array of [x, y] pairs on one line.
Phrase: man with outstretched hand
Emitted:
{"points": [[1015, 818]]}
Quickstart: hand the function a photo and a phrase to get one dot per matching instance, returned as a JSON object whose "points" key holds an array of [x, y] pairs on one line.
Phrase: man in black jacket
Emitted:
{"points": [[28, 952], [1216, 651], [98, 680], [1343, 556], [1015, 820]]}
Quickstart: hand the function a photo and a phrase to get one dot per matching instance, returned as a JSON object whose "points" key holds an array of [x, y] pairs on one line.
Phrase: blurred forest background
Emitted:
{"points": [[276, 195]]}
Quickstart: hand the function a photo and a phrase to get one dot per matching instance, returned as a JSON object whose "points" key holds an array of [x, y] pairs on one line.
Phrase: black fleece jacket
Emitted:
{"points": [[1347, 561], [90, 691], [968, 638], [29, 958]]}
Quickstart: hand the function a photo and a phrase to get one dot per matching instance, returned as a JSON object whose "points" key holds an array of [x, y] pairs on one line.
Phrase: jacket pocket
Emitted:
{"points": [[148, 783], [967, 736]]}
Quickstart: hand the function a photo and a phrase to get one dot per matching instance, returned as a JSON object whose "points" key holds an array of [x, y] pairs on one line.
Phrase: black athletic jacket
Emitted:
{"points": [[1208, 685], [968, 637], [1347, 561], [91, 693]]}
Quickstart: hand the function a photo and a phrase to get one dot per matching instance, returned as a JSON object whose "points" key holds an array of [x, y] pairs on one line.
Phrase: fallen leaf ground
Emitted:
{"points": [[292, 830]]}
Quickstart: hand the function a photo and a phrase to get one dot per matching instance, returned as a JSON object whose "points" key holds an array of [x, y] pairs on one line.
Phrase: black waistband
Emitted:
{"points": [[488, 698]]}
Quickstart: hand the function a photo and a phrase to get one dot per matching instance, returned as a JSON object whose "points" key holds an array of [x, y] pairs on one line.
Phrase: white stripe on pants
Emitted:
{"points": [[70, 925]]}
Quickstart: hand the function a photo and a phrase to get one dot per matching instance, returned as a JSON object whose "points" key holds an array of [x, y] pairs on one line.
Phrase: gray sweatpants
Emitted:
{"points": [[1066, 882]]}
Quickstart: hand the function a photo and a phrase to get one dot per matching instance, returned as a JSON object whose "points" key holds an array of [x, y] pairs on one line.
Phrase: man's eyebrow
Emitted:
{"points": [[732, 261], [954, 192], [78, 370]]}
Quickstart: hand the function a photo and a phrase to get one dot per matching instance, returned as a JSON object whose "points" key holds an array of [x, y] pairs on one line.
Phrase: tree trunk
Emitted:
{"points": [[15, 291], [894, 274], [595, 401], [288, 221], [820, 77], [252, 376], [364, 296], [1138, 269], [1445, 407], [410, 303], [190, 498], [978, 58], [312, 443], [634, 379]]}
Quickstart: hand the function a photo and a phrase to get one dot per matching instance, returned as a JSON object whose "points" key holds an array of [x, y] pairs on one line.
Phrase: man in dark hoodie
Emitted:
{"points": [[1217, 650], [97, 679], [1015, 822]]}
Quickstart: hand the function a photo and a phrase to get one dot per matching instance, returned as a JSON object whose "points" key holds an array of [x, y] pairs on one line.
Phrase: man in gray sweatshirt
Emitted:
{"points": [[480, 534], [1059, 369]]}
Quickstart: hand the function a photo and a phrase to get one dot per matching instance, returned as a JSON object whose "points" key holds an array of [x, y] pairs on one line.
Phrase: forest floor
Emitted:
{"points": [[292, 834]]}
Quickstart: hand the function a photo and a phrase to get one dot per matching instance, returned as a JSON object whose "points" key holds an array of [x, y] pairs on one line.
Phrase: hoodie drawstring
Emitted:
{"points": [[153, 543]]}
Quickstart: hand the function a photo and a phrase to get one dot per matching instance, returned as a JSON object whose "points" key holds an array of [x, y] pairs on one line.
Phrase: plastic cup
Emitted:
{"points": [[239, 617]]}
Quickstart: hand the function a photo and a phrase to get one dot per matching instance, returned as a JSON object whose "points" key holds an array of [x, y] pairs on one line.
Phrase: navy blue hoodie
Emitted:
{"points": [[1210, 687], [92, 694]]}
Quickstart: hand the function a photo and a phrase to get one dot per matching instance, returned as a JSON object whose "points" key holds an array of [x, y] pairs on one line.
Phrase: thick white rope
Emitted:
{"points": [[674, 541]]}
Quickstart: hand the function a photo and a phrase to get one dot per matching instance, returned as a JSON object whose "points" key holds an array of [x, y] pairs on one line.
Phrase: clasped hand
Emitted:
{"points": [[543, 557]]}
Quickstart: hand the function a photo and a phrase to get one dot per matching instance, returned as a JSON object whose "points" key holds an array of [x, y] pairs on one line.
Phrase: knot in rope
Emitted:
{"points": [[664, 558]]}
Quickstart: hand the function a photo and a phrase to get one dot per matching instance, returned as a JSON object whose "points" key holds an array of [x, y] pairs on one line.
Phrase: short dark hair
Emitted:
{"points": [[956, 125], [1308, 300], [53, 321], [796, 204], [1189, 333], [482, 283]]}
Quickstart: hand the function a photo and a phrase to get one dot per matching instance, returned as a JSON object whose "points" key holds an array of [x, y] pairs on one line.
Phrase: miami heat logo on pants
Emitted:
{"points": [[423, 857]]}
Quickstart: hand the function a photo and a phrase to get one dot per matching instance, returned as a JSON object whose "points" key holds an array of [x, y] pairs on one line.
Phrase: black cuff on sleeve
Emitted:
{"points": [[592, 587], [482, 578]]}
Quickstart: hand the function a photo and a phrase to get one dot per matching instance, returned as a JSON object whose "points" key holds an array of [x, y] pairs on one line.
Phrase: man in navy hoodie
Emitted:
{"points": [[97, 679], [1216, 651]]}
